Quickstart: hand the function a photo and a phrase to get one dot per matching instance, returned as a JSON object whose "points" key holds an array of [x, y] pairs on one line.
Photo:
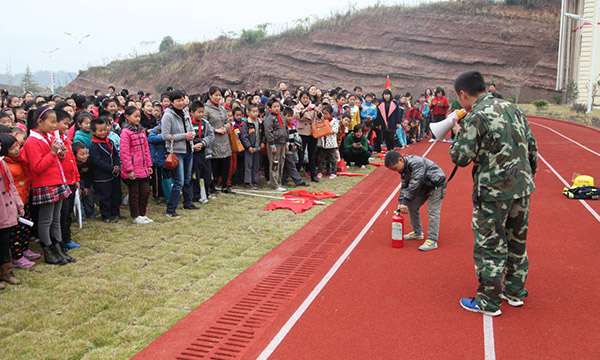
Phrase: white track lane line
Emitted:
{"points": [[488, 338], [584, 203], [568, 138], [315, 292]]}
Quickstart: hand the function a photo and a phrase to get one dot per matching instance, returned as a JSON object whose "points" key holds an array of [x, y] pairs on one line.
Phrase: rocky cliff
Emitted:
{"points": [[419, 47]]}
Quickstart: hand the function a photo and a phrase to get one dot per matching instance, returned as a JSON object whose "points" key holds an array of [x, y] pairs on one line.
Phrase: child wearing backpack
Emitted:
{"points": [[276, 134], [328, 144], [291, 156], [251, 137]]}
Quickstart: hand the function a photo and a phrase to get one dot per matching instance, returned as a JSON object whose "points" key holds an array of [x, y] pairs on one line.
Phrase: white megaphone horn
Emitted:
{"points": [[440, 129]]}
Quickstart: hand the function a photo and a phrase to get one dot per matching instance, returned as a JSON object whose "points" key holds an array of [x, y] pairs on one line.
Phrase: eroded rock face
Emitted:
{"points": [[419, 49]]}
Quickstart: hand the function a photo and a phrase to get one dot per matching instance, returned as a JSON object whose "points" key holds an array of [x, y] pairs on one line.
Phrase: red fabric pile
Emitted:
{"points": [[296, 205], [316, 195]]}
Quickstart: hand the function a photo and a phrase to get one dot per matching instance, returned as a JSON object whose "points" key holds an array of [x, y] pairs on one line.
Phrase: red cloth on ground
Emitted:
{"points": [[378, 164], [296, 205], [380, 155], [343, 173], [311, 194]]}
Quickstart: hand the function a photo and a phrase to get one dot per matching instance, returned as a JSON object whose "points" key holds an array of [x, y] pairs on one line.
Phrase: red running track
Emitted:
{"points": [[386, 303]]}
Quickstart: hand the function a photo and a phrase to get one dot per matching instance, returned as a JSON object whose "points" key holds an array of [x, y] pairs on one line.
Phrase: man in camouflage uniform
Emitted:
{"points": [[496, 137]]}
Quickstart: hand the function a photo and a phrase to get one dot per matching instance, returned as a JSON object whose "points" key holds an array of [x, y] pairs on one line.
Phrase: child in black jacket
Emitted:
{"points": [[201, 168], [106, 166], [251, 137], [86, 178]]}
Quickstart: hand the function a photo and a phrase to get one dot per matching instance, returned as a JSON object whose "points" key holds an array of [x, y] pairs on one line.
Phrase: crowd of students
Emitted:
{"points": [[55, 148]]}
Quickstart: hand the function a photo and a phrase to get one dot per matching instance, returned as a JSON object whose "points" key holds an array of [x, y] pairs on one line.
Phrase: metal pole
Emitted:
{"points": [[561, 40], [592, 63]]}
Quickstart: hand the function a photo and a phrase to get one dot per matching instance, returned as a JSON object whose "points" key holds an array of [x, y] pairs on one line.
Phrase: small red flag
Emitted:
{"points": [[341, 166]]}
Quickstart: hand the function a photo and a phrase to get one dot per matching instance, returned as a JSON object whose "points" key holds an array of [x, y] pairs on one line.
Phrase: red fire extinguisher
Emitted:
{"points": [[397, 230]]}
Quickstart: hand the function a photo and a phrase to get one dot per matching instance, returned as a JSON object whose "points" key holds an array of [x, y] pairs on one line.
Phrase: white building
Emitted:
{"points": [[575, 48]]}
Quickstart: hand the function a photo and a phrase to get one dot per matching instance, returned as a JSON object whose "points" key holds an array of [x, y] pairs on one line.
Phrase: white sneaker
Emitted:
{"points": [[511, 302], [147, 220], [431, 140], [139, 220], [362, 166], [280, 189]]}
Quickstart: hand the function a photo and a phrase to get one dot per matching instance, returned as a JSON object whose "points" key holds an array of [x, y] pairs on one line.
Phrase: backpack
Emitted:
{"points": [[582, 192]]}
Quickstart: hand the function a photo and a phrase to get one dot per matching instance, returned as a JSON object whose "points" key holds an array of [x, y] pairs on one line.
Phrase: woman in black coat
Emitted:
{"points": [[389, 118]]}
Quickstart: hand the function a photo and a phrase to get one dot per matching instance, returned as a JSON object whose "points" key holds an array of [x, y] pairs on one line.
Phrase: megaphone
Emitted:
{"points": [[440, 129]]}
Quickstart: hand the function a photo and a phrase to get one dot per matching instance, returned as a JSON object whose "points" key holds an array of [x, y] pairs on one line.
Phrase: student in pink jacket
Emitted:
{"points": [[136, 164], [11, 207]]}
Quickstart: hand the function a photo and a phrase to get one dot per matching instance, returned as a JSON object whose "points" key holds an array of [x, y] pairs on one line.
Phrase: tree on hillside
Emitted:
{"points": [[28, 83], [166, 43]]}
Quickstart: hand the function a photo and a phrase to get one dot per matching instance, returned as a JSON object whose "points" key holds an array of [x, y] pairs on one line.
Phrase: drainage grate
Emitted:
{"points": [[238, 327], [262, 302]]}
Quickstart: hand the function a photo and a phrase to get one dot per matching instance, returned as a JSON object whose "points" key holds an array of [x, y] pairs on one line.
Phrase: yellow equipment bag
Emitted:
{"points": [[582, 180]]}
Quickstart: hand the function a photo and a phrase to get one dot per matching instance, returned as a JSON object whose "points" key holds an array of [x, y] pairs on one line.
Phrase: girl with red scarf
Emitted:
{"points": [[439, 107], [43, 153]]}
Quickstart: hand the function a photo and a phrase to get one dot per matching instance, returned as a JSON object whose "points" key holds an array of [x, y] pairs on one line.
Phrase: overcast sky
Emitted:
{"points": [[117, 28]]}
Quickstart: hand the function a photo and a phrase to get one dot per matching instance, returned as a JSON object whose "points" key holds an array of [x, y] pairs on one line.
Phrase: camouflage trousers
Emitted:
{"points": [[500, 251]]}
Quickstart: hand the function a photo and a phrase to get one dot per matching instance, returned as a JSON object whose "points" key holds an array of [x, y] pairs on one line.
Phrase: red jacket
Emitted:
{"points": [[69, 165], [71, 133], [18, 171], [413, 114], [44, 166], [439, 109]]}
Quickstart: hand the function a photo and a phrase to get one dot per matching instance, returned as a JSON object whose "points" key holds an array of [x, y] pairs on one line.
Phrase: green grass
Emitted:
{"points": [[132, 283], [564, 112]]}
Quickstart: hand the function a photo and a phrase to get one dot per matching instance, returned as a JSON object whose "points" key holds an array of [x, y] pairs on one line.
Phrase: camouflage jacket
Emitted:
{"points": [[496, 137]]}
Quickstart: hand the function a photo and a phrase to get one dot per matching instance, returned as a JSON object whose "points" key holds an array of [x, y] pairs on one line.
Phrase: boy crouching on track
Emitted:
{"points": [[422, 180]]}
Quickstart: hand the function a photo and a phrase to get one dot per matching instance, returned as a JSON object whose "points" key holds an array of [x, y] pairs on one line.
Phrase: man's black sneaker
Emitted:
{"points": [[173, 215]]}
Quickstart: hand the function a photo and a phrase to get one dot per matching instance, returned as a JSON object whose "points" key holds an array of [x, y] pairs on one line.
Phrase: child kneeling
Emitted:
{"points": [[422, 180]]}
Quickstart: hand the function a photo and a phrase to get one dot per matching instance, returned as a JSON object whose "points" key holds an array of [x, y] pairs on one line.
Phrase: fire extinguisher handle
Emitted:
{"points": [[396, 212]]}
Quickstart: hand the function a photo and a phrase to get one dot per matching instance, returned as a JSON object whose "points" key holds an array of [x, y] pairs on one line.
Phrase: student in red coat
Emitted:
{"points": [[439, 107], [43, 153], [71, 176]]}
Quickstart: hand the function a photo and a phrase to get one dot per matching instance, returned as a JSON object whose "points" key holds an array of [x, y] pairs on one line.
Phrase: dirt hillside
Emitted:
{"points": [[418, 47]]}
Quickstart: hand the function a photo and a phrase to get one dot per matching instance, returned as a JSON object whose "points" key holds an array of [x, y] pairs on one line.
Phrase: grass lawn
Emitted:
{"points": [[564, 112], [131, 283]]}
